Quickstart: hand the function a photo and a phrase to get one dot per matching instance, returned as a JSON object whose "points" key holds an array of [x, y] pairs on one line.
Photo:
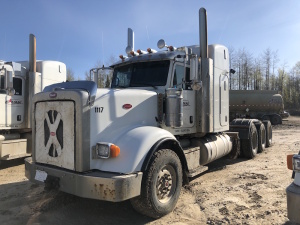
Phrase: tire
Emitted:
{"points": [[268, 127], [236, 148], [276, 119], [261, 134], [250, 145], [266, 118], [161, 185]]}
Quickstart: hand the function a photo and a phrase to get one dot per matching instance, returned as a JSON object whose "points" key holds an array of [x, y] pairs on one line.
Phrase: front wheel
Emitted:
{"points": [[161, 185]]}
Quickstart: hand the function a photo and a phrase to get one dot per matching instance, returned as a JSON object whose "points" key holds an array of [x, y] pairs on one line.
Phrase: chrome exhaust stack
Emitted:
{"points": [[32, 53], [130, 42], [34, 82], [203, 33], [205, 99]]}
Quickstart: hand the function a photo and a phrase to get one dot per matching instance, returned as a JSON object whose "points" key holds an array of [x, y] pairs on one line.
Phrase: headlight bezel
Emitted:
{"points": [[105, 150]]}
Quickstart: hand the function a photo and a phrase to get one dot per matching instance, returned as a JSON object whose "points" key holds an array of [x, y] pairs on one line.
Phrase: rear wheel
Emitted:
{"points": [[161, 185], [276, 119], [265, 117], [250, 145], [268, 128], [261, 134]]}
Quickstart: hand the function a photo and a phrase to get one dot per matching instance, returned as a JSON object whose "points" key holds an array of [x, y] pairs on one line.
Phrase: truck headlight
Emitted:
{"points": [[296, 163], [106, 150]]}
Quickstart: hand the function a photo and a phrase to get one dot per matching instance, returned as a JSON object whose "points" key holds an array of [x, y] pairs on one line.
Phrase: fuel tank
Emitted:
{"points": [[212, 147]]}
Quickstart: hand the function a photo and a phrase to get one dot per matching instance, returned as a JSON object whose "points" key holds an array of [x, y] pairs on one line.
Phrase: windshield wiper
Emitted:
{"points": [[143, 84]]}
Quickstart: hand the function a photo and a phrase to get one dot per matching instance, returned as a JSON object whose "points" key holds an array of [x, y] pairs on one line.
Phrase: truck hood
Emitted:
{"points": [[115, 111]]}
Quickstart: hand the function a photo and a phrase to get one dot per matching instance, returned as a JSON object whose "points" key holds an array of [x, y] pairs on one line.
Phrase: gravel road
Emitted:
{"points": [[231, 192]]}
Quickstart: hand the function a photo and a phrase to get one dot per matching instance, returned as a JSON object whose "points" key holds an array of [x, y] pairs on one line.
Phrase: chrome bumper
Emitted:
{"points": [[96, 185], [293, 202]]}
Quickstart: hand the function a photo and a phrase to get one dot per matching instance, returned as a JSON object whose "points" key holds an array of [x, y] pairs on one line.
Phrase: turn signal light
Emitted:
{"points": [[114, 151]]}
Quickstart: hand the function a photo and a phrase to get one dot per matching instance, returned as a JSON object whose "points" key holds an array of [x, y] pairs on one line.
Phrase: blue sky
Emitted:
{"points": [[80, 33]]}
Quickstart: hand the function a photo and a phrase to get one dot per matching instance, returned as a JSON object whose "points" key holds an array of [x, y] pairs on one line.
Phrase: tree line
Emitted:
{"points": [[265, 72], [104, 76]]}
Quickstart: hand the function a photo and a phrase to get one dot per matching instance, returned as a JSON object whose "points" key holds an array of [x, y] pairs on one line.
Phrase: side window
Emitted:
{"points": [[179, 80], [17, 82], [178, 76], [2, 91], [187, 79]]}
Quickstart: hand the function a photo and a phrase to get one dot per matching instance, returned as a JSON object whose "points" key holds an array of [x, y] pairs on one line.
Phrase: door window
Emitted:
{"points": [[17, 83], [179, 80]]}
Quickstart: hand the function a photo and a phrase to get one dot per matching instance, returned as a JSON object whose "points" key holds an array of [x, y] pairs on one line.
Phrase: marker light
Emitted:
{"points": [[114, 151], [141, 52], [107, 150], [171, 48], [122, 57], [150, 50], [133, 53]]}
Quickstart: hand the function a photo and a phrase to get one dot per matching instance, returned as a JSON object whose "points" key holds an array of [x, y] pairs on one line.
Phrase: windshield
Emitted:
{"points": [[141, 74]]}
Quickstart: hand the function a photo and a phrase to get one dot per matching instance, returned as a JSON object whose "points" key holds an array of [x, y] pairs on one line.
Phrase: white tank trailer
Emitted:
{"points": [[19, 81], [165, 117], [260, 104]]}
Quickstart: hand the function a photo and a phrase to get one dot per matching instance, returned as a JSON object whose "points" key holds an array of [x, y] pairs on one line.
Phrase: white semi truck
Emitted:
{"points": [[19, 81], [164, 118]]}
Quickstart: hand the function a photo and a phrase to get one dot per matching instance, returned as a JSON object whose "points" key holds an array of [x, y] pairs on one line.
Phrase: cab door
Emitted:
{"points": [[12, 107], [181, 75]]}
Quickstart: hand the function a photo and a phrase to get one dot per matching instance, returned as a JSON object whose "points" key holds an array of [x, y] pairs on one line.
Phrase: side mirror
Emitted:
{"points": [[8, 85], [194, 64], [194, 67]]}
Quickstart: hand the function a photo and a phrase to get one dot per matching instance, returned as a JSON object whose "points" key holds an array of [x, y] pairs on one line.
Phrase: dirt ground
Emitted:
{"points": [[230, 192]]}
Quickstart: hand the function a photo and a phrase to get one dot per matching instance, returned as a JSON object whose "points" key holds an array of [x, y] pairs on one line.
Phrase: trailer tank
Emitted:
{"points": [[261, 104]]}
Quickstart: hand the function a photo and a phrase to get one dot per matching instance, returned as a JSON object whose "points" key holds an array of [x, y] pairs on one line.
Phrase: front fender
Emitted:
{"points": [[134, 147]]}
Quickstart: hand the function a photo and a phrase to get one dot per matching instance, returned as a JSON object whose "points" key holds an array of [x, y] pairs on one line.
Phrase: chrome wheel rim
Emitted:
{"points": [[165, 184]]}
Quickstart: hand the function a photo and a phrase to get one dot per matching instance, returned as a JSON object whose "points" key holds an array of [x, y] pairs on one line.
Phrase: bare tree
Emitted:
{"points": [[267, 60], [232, 59], [70, 75], [275, 60], [104, 76]]}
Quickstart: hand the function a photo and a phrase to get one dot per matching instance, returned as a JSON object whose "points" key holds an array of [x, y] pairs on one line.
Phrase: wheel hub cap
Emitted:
{"points": [[165, 185]]}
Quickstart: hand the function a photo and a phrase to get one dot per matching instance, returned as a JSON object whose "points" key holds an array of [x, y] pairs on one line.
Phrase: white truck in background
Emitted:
{"points": [[19, 81], [164, 118]]}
